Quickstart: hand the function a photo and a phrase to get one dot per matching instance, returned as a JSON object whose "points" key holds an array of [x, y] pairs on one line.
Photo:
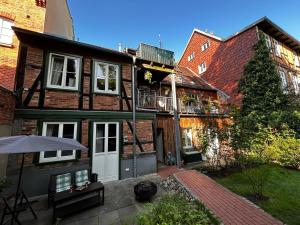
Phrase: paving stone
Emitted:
{"points": [[109, 218]]}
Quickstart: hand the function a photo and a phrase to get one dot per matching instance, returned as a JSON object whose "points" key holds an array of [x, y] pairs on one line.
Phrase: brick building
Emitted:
{"points": [[76, 90], [221, 61], [36, 15]]}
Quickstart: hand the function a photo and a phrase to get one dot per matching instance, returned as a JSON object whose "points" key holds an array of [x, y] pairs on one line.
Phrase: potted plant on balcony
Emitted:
{"points": [[148, 76], [207, 106], [186, 99]]}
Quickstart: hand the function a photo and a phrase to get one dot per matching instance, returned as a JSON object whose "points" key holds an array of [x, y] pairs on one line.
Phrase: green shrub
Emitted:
{"points": [[286, 151], [174, 210]]}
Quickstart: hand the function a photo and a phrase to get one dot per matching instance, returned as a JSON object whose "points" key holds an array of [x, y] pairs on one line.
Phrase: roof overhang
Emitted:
{"points": [[279, 34], [51, 42]]}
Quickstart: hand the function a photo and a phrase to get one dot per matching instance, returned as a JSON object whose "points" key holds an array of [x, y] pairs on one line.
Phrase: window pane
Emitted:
{"points": [[68, 131], [100, 129], [100, 84], [71, 80], [71, 65], [50, 154], [112, 72], [112, 130], [112, 143], [52, 130], [99, 145], [67, 153], [101, 71], [57, 70], [112, 84]]}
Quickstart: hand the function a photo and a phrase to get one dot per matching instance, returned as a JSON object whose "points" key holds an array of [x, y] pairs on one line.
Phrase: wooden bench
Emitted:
{"points": [[66, 203]]}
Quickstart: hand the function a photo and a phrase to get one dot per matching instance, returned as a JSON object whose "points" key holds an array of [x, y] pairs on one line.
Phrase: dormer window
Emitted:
{"points": [[205, 46], [191, 56], [202, 68]]}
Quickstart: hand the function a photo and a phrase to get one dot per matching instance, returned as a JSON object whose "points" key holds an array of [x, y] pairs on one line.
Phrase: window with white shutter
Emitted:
{"points": [[6, 33]]}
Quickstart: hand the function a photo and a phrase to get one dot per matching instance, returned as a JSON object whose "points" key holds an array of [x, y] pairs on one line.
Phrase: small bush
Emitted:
{"points": [[174, 210]]}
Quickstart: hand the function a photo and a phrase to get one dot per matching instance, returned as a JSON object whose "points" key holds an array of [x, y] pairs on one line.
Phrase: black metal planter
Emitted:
{"points": [[145, 190]]}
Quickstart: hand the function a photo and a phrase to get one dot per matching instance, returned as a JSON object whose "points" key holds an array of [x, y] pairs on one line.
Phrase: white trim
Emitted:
{"points": [[202, 68], [10, 35], [186, 136], [96, 90], [105, 137], [60, 134], [63, 85]]}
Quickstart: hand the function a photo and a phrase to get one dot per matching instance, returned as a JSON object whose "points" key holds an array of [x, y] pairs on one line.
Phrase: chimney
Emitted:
{"points": [[120, 47]]}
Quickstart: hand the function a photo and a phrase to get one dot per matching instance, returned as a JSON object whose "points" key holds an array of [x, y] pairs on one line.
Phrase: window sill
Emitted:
{"points": [[105, 93], [6, 45], [56, 162], [61, 89]]}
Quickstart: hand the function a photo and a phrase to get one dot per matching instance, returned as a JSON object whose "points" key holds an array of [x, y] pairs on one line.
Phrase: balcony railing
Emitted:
{"points": [[155, 54], [150, 100]]}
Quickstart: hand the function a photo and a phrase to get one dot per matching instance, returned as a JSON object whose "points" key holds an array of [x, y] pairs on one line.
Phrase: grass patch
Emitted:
{"points": [[282, 190], [175, 210]]}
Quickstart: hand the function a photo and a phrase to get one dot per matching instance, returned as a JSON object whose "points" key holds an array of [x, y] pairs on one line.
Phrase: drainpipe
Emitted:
{"points": [[176, 121], [134, 117]]}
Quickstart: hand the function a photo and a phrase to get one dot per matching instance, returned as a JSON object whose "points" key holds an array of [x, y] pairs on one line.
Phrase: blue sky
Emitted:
{"points": [[108, 22]]}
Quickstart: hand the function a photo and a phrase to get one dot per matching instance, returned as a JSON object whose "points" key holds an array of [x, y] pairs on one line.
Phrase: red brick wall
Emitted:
{"points": [[7, 103], [225, 61], [68, 99], [144, 133], [24, 14]]}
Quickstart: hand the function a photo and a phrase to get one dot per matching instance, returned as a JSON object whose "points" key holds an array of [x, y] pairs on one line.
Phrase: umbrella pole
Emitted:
{"points": [[18, 190]]}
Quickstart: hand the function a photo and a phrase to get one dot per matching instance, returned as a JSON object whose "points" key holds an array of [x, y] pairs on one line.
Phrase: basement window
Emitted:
{"points": [[202, 68], [63, 72], [106, 78], [6, 33]]}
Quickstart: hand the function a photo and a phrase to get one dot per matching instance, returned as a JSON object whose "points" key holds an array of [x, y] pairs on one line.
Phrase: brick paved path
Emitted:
{"points": [[229, 207]]}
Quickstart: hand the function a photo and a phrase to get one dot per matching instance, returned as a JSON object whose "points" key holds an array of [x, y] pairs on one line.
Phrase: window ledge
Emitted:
{"points": [[6, 45]]}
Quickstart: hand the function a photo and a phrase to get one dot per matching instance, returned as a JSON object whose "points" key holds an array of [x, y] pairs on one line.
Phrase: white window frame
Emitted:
{"points": [[191, 56], [297, 62], [186, 135], [202, 68], [268, 42], [205, 46], [10, 35], [50, 68], [277, 48], [60, 134], [106, 125], [284, 83], [295, 80], [96, 90]]}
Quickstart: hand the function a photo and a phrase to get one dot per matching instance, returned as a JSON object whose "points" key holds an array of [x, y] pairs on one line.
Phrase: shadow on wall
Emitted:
{"points": [[227, 64]]}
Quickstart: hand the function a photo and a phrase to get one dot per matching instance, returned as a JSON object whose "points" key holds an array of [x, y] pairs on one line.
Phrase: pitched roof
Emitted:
{"points": [[187, 78]]}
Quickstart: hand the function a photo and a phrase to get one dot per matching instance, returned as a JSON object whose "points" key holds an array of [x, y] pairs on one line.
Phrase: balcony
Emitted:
{"points": [[155, 54], [150, 100]]}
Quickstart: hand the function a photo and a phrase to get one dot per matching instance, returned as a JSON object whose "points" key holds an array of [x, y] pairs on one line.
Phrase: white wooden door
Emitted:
{"points": [[105, 160]]}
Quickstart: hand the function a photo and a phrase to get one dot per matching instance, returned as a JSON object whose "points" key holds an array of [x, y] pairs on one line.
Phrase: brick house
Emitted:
{"points": [[221, 61], [76, 90]]}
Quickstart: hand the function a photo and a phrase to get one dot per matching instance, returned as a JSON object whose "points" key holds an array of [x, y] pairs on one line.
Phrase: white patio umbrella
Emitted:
{"points": [[29, 144]]}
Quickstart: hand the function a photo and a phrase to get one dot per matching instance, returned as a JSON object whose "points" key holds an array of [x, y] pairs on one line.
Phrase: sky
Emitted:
{"points": [[130, 22]]}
